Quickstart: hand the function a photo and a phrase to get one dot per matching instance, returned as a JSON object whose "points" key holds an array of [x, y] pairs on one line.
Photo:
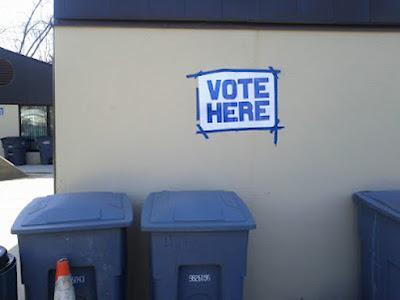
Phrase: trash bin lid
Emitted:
{"points": [[196, 211], [76, 211], [13, 141], [46, 140], [3, 257], [385, 202], [13, 138]]}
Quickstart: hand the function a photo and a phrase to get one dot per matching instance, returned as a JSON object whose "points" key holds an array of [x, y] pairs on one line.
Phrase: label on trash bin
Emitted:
{"points": [[237, 100], [1, 111], [78, 279], [200, 278], [199, 282]]}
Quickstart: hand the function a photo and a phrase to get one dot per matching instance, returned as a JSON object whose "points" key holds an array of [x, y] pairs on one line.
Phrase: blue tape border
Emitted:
{"points": [[274, 130]]}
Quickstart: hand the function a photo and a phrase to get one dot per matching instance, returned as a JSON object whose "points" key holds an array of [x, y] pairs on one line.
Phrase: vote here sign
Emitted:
{"points": [[233, 100]]}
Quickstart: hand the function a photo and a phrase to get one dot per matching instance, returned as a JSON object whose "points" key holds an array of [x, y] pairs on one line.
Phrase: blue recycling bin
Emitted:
{"points": [[45, 144], [15, 149], [198, 244], [379, 231], [87, 228], [8, 275]]}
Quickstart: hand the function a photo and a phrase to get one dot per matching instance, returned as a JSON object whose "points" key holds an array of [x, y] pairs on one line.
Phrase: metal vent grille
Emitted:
{"points": [[6, 72]]}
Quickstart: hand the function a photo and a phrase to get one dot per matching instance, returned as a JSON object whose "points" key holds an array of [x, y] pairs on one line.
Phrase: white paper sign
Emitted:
{"points": [[233, 100]]}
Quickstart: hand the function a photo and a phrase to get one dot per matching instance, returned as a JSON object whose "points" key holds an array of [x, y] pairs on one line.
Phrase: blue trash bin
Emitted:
{"points": [[45, 144], [87, 228], [8, 275], [379, 231], [15, 149], [198, 244]]}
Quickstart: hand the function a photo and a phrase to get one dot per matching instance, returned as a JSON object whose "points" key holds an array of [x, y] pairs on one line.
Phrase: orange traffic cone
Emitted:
{"points": [[64, 289]]}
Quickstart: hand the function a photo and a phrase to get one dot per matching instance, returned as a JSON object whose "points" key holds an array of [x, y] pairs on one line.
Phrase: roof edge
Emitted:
{"points": [[24, 56]]}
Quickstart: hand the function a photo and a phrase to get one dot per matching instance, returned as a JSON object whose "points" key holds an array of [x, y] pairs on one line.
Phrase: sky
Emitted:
{"points": [[13, 15]]}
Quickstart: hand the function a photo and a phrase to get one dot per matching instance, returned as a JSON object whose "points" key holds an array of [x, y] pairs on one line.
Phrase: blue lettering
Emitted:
{"points": [[225, 85], [211, 113], [245, 82], [228, 112], [245, 108], [261, 110], [214, 92], [258, 88]]}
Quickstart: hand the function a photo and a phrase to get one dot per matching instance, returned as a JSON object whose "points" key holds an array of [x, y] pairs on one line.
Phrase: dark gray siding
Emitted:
{"points": [[32, 83], [334, 12]]}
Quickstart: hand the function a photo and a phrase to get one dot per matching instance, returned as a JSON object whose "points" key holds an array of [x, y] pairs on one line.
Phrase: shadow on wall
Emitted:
{"points": [[138, 260]]}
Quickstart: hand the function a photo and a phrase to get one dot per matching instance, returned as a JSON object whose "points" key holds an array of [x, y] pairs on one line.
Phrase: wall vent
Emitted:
{"points": [[6, 72]]}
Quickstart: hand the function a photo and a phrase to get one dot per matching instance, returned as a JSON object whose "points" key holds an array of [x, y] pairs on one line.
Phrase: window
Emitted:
{"points": [[35, 121]]}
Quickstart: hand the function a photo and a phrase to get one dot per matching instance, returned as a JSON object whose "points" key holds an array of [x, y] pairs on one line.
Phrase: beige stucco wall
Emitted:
{"points": [[9, 123], [125, 121]]}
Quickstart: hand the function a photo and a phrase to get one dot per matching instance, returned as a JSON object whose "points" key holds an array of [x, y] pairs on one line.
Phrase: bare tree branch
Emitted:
{"points": [[33, 27], [33, 37], [42, 36], [24, 35]]}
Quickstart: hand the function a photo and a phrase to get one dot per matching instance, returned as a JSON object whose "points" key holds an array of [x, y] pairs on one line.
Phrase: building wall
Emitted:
{"points": [[33, 158], [9, 123], [125, 121]]}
